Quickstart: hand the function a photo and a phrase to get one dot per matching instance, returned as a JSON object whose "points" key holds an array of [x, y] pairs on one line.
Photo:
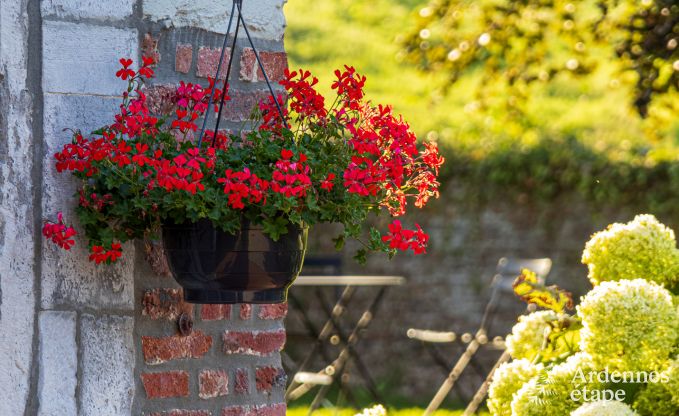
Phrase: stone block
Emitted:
{"points": [[83, 59]]}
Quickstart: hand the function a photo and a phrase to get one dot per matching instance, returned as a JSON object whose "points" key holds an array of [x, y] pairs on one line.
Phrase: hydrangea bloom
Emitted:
{"points": [[528, 337], [604, 408], [630, 325], [549, 393], [377, 410], [507, 380], [642, 248], [662, 398]]}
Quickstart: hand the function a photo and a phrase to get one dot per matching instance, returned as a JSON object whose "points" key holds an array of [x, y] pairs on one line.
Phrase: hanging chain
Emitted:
{"points": [[240, 21], [219, 68]]}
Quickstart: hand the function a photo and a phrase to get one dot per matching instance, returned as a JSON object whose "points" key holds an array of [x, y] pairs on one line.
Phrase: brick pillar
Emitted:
{"points": [[229, 365]]}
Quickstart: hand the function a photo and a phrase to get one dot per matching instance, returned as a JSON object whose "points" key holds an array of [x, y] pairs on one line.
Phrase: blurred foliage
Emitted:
{"points": [[578, 133], [517, 43]]}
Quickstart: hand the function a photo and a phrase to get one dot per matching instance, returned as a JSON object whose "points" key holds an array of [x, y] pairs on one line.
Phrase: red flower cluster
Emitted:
{"points": [[271, 119], [403, 239], [98, 202], [99, 254], [303, 98], [59, 233], [327, 183], [243, 185], [350, 85], [291, 178]]}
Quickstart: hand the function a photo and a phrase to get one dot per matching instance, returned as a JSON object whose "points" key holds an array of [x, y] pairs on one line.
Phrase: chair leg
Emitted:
{"points": [[483, 390], [454, 375]]}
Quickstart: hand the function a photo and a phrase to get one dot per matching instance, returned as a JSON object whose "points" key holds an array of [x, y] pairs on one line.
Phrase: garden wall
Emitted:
{"points": [[447, 289], [84, 340]]}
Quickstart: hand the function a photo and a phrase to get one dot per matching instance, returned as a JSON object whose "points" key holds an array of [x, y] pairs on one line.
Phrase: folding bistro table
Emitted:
{"points": [[333, 332]]}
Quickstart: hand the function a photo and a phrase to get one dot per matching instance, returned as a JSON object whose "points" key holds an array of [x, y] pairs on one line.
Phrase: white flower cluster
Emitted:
{"points": [[507, 380], [377, 410], [604, 408], [643, 248], [549, 393], [630, 325], [528, 337]]}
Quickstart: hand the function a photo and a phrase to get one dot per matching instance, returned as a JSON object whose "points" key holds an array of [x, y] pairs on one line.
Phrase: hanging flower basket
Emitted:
{"points": [[214, 266], [234, 209]]}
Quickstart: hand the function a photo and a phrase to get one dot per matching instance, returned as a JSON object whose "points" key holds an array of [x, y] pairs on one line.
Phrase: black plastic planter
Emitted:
{"points": [[217, 267]]}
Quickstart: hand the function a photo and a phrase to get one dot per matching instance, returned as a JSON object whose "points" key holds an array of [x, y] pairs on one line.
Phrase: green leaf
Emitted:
{"points": [[339, 242], [361, 256]]}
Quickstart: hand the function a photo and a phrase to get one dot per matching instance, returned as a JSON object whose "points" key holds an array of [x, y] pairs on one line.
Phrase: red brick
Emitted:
{"points": [[242, 384], [161, 350], [183, 58], [253, 343], [208, 60], [165, 303], [275, 311], [159, 101], [149, 47], [275, 64], [213, 383], [235, 411], [182, 412], [265, 410], [245, 311], [270, 410], [269, 377], [242, 103], [215, 312], [167, 384]]}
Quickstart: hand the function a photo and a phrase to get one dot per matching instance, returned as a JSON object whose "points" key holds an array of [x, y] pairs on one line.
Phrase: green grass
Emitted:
{"points": [[302, 411]]}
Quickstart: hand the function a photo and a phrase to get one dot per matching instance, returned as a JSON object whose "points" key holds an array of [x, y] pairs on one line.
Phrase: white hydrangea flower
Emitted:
{"points": [[549, 393], [629, 325], [528, 337], [640, 249], [604, 408], [377, 410], [507, 380], [660, 398]]}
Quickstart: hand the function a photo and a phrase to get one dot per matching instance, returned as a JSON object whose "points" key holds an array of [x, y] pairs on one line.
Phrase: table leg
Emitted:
{"points": [[323, 335], [340, 362], [360, 365]]}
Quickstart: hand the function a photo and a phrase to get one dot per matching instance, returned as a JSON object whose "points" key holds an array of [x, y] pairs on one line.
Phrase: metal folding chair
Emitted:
{"points": [[507, 271]]}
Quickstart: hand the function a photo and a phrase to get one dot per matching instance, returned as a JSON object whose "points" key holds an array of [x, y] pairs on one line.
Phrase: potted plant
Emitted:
{"points": [[234, 209]]}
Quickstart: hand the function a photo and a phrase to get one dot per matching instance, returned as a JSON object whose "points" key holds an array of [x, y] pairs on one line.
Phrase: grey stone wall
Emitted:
{"points": [[448, 288]]}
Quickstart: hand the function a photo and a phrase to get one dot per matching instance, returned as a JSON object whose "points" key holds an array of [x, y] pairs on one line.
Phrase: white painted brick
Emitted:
{"points": [[58, 364], [94, 9], [68, 277], [265, 18], [17, 294], [107, 384], [83, 59]]}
